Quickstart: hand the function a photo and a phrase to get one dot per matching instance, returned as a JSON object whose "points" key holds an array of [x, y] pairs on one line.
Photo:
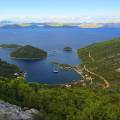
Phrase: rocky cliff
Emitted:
{"points": [[13, 112]]}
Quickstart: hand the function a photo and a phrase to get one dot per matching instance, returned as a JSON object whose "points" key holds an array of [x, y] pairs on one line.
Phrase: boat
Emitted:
{"points": [[55, 68], [55, 71]]}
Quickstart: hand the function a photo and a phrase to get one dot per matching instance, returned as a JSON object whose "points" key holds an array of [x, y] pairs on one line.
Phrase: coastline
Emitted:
{"points": [[25, 58], [87, 79]]}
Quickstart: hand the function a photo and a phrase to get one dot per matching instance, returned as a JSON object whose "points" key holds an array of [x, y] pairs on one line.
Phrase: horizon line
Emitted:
{"points": [[61, 19]]}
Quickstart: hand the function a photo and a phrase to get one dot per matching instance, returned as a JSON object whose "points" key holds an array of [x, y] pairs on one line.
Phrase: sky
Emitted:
{"points": [[47, 9]]}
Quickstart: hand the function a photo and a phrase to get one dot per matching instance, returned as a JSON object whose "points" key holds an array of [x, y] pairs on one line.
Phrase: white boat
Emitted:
{"points": [[55, 71]]}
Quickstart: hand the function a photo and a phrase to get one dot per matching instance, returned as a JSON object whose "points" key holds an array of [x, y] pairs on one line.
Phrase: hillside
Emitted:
{"points": [[10, 46], [103, 59], [8, 70], [73, 102], [59, 25], [28, 52], [63, 103]]}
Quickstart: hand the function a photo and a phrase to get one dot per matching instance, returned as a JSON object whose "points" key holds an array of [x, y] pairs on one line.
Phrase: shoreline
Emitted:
{"points": [[80, 71], [25, 58], [85, 74]]}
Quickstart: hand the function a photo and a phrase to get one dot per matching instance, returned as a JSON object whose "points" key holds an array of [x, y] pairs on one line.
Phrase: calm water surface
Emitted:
{"points": [[52, 39]]}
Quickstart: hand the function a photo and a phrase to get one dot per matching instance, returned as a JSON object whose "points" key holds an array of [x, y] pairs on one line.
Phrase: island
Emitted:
{"points": [[28, 52], [24, 25], [91, 25], [61, 25], [10, 46], [56, 24], [65, 67], [67, 48], [62, 66]]}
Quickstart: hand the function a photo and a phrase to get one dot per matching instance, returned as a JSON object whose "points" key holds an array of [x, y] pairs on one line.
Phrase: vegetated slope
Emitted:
{"points": [[10, 46], [70, 103], [8, 70], [62, 103], [29, 52], [103, 58], [8, 89]]}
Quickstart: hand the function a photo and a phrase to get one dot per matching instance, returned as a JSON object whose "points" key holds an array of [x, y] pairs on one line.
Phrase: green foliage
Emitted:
{"points": [[65, 66], [28, 52], [67, 49], [106, 58], [76, 102], [8, 70], [59, 103], [61, 65], [10, 46]]}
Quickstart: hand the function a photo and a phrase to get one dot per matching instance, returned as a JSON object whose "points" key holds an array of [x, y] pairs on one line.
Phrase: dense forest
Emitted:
{"points": [[70, 103], [8, 70], [10, 46], [61, 103], [103, 59]]}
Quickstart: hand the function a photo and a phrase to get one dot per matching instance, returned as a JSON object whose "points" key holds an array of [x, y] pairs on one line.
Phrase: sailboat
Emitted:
{"points": [[55, 70]]}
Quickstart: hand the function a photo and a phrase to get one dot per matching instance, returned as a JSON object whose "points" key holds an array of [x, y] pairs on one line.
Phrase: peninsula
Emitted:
{"points": [[10, 46], [101, 62]]}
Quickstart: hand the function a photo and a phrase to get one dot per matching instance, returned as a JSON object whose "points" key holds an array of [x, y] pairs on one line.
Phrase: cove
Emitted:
{"points": [[53, 40]]}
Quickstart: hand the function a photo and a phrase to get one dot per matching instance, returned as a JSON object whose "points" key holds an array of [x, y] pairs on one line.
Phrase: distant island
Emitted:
{"points": [[14, 25], [67, 48], [24, 25], [91, 25], [10, 46], [56, 24], [28, 52]]}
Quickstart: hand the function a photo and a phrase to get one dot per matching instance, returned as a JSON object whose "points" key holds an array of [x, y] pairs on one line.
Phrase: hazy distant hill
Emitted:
{"points": [[9, 24], [112, 25]]}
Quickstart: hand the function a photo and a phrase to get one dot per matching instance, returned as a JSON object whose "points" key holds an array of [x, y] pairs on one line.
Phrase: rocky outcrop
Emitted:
{"points": [[13, 112]]}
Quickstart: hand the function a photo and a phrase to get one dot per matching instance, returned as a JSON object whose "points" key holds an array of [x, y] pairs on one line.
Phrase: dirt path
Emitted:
{"points": [[106, 83], [91, 57], [80, 71]]}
